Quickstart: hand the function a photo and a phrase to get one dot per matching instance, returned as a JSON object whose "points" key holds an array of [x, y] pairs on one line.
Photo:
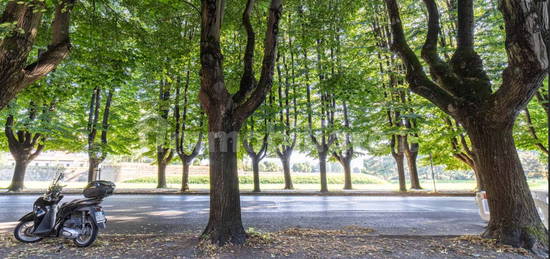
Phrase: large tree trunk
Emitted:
{"points": [[227, 112], [323, 170], [286, 171], [413, 170], [256, 174], [18, 179], [185, 177], [224, 223], [514, 218], [161, 174], [463, 90]]}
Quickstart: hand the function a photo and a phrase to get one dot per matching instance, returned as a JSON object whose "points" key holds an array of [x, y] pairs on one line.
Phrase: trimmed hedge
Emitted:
{"points": [[271, 179]]}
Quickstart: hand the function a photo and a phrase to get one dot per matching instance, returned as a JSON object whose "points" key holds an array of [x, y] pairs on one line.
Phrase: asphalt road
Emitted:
{"points": [[176, 213]]}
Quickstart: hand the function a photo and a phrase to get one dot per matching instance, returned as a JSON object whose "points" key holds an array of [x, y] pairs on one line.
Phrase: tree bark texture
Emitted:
{"points": [[18, 180], [323, 170], [256, 174], [399, 157], [185, 178], [411, 154], [286, 173]]}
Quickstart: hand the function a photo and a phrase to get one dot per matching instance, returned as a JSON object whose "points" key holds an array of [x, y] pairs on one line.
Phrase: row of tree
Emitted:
{"points": [[159, 78]]}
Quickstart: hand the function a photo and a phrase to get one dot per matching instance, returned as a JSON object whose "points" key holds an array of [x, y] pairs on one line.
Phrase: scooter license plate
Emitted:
{"points": [[100, 217]]}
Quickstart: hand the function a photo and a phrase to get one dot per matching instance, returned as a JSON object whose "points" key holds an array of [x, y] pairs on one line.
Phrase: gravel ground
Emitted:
{"points": [[348, 242]]}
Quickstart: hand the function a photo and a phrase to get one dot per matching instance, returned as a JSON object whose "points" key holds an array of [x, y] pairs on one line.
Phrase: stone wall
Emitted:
{"points": [[118, 172]]}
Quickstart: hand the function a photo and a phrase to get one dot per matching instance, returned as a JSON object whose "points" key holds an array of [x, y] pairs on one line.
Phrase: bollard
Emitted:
{"points": [[483, 205], [540, 198], [541, 201]]}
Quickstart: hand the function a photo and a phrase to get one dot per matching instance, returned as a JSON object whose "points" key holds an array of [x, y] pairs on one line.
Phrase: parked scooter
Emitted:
{"points": [[78, 220]]}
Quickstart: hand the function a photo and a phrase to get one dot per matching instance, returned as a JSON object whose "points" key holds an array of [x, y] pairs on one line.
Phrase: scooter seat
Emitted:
{"points": [[86, 201]]}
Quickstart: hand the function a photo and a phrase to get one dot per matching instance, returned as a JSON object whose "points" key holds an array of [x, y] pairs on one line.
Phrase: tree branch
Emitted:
{"points": [[248, 80], [526, 22], [59, 46], [533, 132], [36, 152], [213, 94], [465, 33], [418, 81], [266, 76], [192, 6], [105, 124], [438, 68]]}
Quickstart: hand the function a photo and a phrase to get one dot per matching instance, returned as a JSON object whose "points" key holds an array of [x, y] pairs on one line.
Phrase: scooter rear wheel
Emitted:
{"points": [[22, 232], [89, 234]]}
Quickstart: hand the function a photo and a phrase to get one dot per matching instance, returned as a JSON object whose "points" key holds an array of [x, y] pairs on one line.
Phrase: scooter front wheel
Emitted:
{"points": [[23, 230], [89, 233]]}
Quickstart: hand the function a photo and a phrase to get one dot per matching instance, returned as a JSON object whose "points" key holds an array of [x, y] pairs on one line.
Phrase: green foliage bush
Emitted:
{"points": [[270, 167], [304, 167], [271, 179]]}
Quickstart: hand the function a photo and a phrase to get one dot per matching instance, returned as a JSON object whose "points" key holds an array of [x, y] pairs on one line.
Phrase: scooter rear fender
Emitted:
{"points": [[91, 211]]}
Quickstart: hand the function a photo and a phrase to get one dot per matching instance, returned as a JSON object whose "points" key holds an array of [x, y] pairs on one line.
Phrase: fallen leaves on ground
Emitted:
{"points": [[491, 244], [348, 242]]}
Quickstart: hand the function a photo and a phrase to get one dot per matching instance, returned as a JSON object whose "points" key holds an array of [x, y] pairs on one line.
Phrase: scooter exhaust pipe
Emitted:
{"points": [[70, 233]]}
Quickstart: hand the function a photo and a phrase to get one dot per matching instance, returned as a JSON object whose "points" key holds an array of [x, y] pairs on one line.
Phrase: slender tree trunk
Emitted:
{"points": [[185, 177], [480, 183], [256, 174], [498, 160], [286, 172], [346, 163], [224, 223], [92, 168], [323, 170], [413, 170], [399, 162], [19, 175], [161, 173]]}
